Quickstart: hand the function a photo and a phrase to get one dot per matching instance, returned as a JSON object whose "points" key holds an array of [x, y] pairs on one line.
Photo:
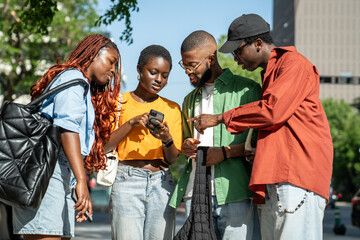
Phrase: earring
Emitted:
{"points": [[138, 77]]}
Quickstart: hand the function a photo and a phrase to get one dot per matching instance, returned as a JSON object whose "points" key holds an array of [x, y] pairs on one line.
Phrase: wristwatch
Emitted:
{"points": [[169, 143]]}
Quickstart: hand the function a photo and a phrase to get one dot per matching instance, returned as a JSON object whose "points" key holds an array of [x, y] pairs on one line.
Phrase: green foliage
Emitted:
{"points": [[25, 55], [33, 33], [118, 12], [227, 61], [36, 15], [345, 131], [356, 103]]}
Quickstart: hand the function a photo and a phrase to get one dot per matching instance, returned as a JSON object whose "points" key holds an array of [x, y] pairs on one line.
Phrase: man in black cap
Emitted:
{"points": [[293, 162]]}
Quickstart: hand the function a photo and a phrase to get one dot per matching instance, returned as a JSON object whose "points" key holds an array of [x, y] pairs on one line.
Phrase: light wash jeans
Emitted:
{"points": [[56, 214], [139, 205], [303, 224], [233, 221]]}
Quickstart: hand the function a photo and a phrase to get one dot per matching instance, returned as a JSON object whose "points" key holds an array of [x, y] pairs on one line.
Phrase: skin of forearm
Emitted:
{"points": [[236, 150], [170, 153], [220, 118], [71, 145], [116, 136]]}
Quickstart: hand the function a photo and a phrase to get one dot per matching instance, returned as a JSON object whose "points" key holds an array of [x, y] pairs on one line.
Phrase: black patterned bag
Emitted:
{"points": [[199, 224], [29, 147]]}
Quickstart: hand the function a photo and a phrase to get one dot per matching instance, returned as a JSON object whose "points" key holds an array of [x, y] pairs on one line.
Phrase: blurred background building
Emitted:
{"points": [[327, 32]]}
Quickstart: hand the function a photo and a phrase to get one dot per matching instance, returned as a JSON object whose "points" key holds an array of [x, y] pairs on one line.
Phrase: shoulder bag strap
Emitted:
{"points": [[117, 123], [47, 88], [34, 105]]}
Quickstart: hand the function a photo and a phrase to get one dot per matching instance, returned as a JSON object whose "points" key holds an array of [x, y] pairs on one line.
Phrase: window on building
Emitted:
{"points": [[344, 80], [325, 79]]}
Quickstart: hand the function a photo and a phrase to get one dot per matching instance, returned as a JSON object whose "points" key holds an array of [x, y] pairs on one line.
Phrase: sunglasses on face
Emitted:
{"points": [[237, 52]]}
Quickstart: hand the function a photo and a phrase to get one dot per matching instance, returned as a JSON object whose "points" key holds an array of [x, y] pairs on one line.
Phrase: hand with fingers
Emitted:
{"points": [[214, 155], [203, 121], [189, 147], [140, 120], [83, 203], [250, 155], [161, 131]]}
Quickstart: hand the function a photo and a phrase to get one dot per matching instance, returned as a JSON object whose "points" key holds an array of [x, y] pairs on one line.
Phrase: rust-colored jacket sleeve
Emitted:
{"points": [[283, 92]]}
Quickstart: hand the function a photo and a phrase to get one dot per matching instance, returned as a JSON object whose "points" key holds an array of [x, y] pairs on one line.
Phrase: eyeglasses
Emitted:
{"points": [[190, 68], [238, 51]]}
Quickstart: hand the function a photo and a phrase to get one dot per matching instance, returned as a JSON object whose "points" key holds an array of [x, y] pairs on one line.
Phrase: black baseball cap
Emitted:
{"points": [[248, 25]]}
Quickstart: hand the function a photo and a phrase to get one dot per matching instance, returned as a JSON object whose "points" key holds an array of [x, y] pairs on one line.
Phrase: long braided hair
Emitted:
{"points": [[103, 98]]}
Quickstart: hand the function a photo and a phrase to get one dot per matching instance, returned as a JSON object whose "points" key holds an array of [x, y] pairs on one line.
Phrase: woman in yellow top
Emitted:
{"points": [[140, 194]]}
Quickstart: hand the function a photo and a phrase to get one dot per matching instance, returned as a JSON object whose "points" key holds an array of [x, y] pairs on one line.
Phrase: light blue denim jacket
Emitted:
{"points": [[71, 111]]}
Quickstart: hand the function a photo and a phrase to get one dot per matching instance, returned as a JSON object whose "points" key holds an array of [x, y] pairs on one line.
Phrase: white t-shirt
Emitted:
{"points": [[207, 139]]}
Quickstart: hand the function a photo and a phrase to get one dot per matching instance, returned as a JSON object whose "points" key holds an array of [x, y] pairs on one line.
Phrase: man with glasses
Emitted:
{"points": [[217, 90], [293, 163]]}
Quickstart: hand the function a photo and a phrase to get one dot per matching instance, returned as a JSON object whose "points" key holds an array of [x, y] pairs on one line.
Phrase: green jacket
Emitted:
{"points": [[232, 175]]}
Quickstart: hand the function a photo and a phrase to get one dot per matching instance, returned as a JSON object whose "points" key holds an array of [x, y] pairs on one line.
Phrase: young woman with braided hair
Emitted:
{"points": [[85, 123]]}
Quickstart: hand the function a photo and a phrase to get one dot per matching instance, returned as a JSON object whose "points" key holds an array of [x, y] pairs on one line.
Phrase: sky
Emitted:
{"points": [[168, 23]]}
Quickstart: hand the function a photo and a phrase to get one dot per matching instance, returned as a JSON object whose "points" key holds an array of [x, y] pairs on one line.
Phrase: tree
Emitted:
{"points": [[120, 11], [345, 132], [227, 61], [26, 53], [34, 20], [356, 103]]}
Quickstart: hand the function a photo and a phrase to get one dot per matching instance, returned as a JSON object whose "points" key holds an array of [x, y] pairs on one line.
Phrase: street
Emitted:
{"points": [[352, 232], [100, 228]]}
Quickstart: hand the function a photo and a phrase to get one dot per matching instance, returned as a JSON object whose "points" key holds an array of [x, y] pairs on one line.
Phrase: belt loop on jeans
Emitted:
{"points": [[130, 171]]}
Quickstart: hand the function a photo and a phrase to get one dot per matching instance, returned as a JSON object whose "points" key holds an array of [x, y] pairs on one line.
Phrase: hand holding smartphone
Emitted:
{"points": [[74, 197], [155, 115]]}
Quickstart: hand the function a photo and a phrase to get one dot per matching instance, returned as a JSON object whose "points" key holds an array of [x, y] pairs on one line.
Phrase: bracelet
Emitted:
{"points": [[169, 143], [224, 152]]}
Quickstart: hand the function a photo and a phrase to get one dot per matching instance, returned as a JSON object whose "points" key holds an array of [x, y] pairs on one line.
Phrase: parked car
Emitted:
{"points": [[355, 213]]}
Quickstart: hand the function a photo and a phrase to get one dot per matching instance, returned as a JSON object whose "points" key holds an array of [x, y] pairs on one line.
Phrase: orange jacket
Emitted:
{"points": [[294, 142]]}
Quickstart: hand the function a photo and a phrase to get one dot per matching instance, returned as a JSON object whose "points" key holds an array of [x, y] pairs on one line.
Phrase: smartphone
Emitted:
{"points": [[155, 115], [74, 197]]}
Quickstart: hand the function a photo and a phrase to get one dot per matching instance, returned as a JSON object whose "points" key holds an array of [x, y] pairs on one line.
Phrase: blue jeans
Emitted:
{"points": [[139, 204], [235, 220], [304, 224], [56, 215]]}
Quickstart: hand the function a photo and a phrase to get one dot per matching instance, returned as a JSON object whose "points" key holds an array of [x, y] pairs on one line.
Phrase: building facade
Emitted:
{"points": [[327, 32]]}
